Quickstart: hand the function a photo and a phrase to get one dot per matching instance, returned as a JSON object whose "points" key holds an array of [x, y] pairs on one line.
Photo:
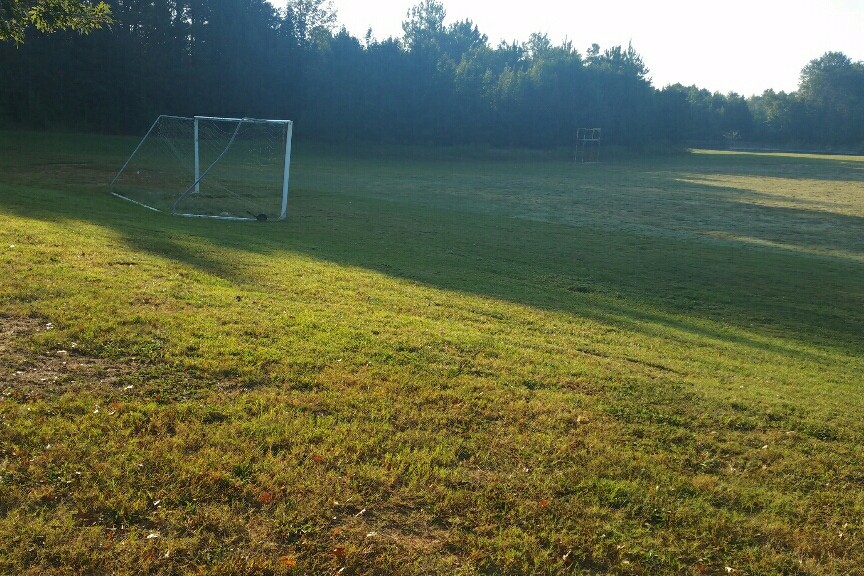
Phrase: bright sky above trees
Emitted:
{"points": [[744, 46]]}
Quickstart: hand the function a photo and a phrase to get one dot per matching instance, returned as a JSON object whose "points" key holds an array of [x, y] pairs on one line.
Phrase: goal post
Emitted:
{"points": [[210, 167]]}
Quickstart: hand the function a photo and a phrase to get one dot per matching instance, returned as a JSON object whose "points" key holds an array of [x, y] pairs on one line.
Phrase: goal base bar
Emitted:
{"points": [[135, 202], [214, 217]]}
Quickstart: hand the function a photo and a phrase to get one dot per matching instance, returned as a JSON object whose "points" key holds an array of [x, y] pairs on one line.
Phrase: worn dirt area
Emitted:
{"points": [[28, 375]]}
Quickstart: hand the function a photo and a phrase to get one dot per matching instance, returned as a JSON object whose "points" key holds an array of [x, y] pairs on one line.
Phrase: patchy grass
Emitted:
{"points": [[436, 365]]}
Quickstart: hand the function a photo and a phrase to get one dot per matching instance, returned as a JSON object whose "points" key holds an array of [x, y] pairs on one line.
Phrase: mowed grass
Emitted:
{"points": [[437, 365]]}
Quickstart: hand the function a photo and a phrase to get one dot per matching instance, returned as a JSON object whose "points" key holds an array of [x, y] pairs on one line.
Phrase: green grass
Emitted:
{"points": [[511, 365]]}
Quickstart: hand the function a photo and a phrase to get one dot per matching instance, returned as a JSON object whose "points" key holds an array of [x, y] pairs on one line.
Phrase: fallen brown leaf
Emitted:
{"points": [[265, 497], [288, 561]]}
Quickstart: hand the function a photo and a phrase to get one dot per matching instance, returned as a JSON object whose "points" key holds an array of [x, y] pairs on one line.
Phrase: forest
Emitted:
{"points": [[438, 84]]}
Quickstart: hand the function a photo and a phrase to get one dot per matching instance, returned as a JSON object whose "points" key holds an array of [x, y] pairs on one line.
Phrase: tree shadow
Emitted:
{"points": [[671, 281], [803, 225], [638, 278]]}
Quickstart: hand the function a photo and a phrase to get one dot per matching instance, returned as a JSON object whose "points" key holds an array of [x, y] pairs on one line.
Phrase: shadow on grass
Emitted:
{"points": [[635, 280], [736, 213], [647, 279]]}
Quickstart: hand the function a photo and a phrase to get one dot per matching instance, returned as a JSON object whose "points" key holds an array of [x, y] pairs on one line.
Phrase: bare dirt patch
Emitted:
{"points": [[25, 374]]}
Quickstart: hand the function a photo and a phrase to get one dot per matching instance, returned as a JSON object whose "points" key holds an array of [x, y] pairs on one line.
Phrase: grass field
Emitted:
{"points": [[440, 364]]}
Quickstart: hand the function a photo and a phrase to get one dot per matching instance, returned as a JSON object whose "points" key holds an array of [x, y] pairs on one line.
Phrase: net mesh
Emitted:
{"points": [[241, 166]]}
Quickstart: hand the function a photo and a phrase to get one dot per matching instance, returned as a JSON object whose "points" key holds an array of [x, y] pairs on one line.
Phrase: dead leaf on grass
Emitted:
{"points": [[288, 561], [265, 497]]}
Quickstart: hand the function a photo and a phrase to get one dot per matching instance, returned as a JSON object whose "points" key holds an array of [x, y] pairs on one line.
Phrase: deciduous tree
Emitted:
{"points": [[16, 16]]}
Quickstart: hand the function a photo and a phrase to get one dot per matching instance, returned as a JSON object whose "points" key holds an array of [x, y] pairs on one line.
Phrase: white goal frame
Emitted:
{"points": [[198, 175], [588, 145]]}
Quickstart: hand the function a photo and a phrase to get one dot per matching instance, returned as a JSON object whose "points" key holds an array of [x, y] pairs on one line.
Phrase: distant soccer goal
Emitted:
{"points": [[226, 168], [588, 145]]}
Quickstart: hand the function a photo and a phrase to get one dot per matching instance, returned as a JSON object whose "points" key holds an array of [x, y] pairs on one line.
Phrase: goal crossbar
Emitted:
{"points": [[247, 120]]}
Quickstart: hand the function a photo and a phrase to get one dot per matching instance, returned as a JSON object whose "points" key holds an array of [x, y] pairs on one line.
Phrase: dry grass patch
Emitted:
{"points": [[28, 372]]}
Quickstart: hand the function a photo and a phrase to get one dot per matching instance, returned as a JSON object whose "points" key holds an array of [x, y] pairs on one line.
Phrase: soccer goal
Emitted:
{"points": [[227, 168], [588, 145]]}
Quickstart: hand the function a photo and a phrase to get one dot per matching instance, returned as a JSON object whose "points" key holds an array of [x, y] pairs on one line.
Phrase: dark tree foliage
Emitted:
{"points": [[827, 110], [438, 84]]}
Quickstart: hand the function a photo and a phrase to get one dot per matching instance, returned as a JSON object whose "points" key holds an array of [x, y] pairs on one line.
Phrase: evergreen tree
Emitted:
{"points": [[438, 83]]}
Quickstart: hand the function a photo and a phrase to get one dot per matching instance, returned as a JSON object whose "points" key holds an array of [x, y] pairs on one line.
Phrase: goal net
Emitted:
{"points": [[228, 168]]}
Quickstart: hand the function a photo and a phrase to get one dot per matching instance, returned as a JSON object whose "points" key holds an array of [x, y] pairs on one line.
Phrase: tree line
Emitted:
{"points": [[436, 84]]}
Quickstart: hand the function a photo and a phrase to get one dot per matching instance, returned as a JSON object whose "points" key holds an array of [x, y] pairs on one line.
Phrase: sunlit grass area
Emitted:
{"points": [[442, 363]]}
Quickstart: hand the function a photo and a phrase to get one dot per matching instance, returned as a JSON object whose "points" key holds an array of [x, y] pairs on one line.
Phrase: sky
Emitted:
{"points": [[726, 46]]}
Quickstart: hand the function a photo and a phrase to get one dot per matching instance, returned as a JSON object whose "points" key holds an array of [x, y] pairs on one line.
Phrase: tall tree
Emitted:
{"points": [[311, 20], [832, 87], [424, 26]]}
